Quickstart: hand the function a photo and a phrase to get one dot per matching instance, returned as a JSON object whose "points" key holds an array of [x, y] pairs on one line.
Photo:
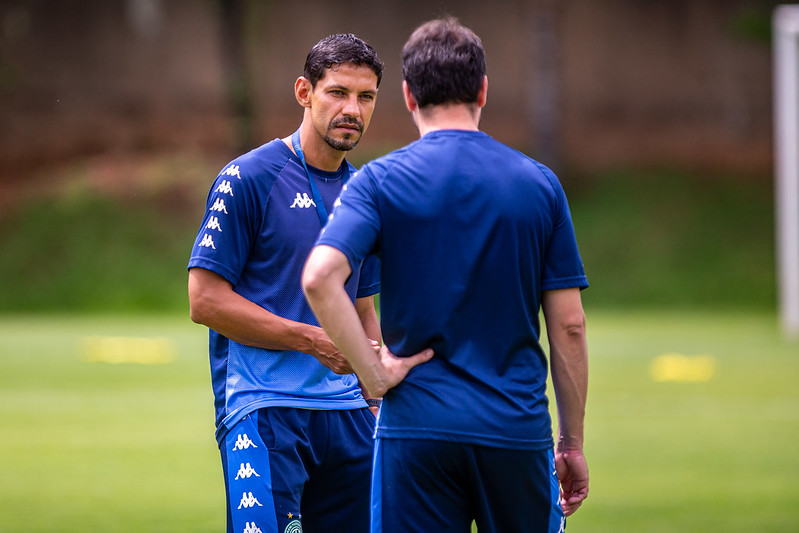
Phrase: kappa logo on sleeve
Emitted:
{"points": [[207, 242], [213, 223], [224, 188], [219, 206], [232, 170]]}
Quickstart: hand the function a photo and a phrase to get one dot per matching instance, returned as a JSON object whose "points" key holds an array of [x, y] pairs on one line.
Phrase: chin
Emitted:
{"points": [[344, 145]]}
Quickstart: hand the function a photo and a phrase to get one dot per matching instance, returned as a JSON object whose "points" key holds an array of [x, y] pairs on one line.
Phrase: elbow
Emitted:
{"points": [[195, 314], [573, 324], [201, 304], [198, 309], [315, 277], [312, 283], [325, 271]]}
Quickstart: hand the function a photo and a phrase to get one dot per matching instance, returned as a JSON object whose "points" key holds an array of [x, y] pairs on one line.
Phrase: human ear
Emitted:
{"points": [[302, 91], [410, 101]]}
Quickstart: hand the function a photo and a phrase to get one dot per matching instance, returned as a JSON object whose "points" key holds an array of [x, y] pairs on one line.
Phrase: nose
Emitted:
{"points": [[351, 107]]}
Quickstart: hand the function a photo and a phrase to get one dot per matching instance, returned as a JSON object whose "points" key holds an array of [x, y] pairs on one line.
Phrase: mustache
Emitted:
{"points": [[347, 122]]}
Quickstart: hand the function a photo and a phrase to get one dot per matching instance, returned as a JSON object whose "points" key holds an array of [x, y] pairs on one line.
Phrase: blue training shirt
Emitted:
{"points": [[469, 233], [259, 227]]}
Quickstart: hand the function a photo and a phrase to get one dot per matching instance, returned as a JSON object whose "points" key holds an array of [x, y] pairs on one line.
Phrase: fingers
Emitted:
{"points": [[339, 366], [336, 362], [418, 358], [572, 473], [396, 368], [570, 502]]}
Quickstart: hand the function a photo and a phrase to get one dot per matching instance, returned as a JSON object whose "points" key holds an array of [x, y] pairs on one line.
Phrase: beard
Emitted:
{"points": [[349, 141]]}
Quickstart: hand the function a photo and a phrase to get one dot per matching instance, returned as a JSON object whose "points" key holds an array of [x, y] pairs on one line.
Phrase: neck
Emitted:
{"points": [[447, 117], [317, 152]]}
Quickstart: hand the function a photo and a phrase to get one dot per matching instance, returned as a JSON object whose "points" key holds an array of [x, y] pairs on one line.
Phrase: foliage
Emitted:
{"points": [[648, 239], [91, 252], [674, 240]]}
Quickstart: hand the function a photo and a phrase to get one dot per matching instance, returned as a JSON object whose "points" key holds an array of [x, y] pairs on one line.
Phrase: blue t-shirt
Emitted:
{"points": [[259, 227], [469, 233]]}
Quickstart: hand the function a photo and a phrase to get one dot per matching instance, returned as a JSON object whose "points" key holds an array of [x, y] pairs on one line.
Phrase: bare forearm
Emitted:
{"points": [[344, 325], [219, 308], [368, 317], [323, 281], [569, 364], [565, 322], [371, 325]]}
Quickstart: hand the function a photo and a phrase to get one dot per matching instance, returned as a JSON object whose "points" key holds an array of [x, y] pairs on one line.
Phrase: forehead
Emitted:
{"points": [[354, 77]]}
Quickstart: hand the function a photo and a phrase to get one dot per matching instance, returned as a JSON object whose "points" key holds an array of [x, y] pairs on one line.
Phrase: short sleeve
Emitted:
{"points": [[354, 225], [228, 227], [563, 266]]}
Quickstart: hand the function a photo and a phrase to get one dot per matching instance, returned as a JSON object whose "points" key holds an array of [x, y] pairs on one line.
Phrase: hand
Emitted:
{"points": [[396, 368], [326, 352], [573, 476]]}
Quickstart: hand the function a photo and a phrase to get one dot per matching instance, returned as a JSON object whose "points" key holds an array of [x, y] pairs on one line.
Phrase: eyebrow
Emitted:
{"points": [[347, 89]]}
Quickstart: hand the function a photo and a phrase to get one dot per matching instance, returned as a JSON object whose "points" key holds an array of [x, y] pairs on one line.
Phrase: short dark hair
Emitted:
{"points": [[338, 49], [443, 62]]}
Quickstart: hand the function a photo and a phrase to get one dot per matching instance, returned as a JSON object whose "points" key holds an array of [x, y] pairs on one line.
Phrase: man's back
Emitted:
{"points": [[475, 239], [471, 233]]}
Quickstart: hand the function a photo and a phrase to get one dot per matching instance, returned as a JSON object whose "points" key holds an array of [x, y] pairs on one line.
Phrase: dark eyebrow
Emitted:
{"points": [[348, 90]]}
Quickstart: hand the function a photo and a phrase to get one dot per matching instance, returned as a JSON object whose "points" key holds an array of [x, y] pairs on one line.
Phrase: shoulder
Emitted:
{"points": [[531, 167], [260, 167], [381, 166]]}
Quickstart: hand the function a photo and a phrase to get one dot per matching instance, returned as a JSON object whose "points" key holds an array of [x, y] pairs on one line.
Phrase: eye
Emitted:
{"points": [[367, 97]]}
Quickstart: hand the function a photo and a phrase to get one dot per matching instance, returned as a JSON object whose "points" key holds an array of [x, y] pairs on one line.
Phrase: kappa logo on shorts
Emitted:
{"points": [[248, 500], [303, 200], [243, 442], [251, 528], [246, 471], [295, 526]]}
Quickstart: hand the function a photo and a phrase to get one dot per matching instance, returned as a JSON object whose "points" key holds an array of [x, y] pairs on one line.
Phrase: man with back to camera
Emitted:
{"points": [[474, 238], [294, 430]]}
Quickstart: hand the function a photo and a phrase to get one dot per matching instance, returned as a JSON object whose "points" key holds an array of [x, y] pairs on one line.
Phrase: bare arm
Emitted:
{"points": [[365, 307], [323, 281], [565, 322], [213, 303]]}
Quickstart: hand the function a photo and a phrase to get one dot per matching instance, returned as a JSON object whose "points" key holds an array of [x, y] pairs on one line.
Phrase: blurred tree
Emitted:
{"points": [[543, 99], [233, 33]]}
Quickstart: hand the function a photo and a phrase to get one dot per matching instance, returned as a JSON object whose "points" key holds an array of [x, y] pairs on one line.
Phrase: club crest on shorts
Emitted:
{"points": [[295, 526]]}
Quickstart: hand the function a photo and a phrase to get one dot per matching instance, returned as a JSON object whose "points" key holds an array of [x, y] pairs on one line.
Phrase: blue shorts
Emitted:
{"points": [[429, 485], [290, 470]]}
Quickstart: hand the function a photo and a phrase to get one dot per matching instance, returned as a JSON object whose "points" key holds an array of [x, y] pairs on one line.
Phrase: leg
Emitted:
{"points": [[516, 491], [248, 480], [336, 497], [420, 485]]}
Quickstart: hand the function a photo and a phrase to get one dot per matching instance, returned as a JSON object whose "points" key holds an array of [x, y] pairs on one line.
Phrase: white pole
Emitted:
{"points": [[786, 151]]}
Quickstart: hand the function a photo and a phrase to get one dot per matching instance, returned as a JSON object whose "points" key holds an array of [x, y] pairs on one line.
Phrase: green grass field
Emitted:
{"points": [[107, 426]]}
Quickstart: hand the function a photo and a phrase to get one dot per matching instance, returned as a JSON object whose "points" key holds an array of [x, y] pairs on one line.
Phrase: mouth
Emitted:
{"points": [[352, 127]]}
